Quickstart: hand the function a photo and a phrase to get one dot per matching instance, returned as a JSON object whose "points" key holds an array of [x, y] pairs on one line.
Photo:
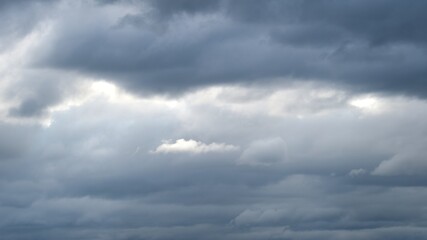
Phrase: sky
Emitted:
{"points": [[215, 119]]}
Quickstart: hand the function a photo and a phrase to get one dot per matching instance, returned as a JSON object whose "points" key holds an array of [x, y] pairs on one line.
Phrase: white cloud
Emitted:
{"points": [[301, 100], [357, 172], [192, 146], [368, 104]]}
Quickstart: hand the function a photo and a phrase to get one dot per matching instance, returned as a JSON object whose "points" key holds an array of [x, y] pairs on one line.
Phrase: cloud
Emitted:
{"points": [[407, 162], [192, 146], [82, 171], [265, 152], [171, 47], [20, 18], [286, 119], [43, 92], [15, 140], [357, 172]]}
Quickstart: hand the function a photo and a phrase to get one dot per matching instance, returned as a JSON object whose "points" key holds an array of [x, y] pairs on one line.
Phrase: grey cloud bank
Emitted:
{"points": [[172, 46], [186, 119], [82, 177]]}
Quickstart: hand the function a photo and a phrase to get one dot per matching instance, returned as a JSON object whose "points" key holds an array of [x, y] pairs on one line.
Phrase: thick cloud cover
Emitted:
{"points": [[228, 119], [172, 46]]}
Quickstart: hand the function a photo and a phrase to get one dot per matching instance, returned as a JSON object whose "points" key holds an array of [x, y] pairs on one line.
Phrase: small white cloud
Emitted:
{"points": [[357, 172], [192, 146], [368, 104]]}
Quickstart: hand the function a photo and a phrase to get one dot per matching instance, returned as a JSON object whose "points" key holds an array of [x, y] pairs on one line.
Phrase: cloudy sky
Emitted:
{"points": [[215, 119]]}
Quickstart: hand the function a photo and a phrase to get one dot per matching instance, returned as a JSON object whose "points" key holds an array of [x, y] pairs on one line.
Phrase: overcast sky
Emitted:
{"points": [[214, 119]]}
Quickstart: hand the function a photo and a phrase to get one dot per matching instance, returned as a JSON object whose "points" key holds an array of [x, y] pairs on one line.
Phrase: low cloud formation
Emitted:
{"points": [[93, 173]]}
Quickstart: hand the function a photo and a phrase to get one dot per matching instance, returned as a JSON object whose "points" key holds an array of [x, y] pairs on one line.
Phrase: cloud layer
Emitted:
{"points": [[173, 46], [219, 119]]}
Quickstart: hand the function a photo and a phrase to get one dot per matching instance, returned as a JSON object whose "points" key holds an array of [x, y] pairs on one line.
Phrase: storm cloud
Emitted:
{"points": [[173, 46], [219, 119]]}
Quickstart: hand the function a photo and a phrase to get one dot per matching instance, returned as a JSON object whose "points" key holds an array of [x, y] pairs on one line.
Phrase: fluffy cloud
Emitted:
{"points": [[192, 146]]}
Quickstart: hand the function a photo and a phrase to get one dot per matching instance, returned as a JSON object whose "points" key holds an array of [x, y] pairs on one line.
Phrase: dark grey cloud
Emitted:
{"points": [[36, 91], [19, 18], [380, 22], [167, 8], [173, 46]]}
